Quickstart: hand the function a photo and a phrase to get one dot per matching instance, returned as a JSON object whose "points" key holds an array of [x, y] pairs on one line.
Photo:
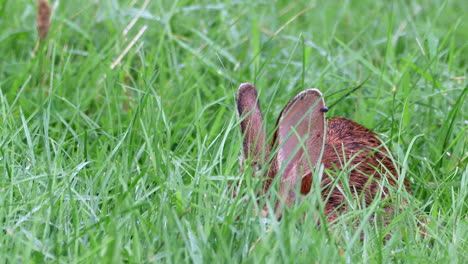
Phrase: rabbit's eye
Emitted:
{"points": [[324, 109]]}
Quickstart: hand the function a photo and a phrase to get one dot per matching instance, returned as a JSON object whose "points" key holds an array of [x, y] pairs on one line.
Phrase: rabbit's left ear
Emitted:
{"points": [[300, 136], [252, 126]]}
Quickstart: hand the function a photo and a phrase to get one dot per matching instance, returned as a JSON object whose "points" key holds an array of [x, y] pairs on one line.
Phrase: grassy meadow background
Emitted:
{"points": [[131, 163]]}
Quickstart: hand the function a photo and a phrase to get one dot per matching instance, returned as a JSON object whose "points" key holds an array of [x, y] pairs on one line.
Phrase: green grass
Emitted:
{"points": [[131, 164]]}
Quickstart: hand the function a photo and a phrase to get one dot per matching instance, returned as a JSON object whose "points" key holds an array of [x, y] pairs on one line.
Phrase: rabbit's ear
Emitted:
{"points": [[253, 129], [300, 136]]}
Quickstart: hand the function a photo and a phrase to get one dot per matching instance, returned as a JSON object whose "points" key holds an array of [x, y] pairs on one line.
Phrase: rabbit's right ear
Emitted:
{"points": [[300, 136], [252, 126]]}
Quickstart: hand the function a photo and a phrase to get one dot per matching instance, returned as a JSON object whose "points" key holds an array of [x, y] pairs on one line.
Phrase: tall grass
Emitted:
{"points": [[132, 163]]}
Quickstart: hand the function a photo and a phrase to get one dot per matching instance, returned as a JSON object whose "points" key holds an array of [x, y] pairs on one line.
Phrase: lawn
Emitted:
{"points": [[119, 134]]}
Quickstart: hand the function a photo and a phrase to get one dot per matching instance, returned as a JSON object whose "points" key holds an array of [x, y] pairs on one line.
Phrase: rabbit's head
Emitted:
{"points": [[297, 144]]}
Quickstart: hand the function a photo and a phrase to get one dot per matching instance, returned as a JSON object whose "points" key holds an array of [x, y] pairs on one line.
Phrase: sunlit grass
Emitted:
{"points": [[132, 164]]}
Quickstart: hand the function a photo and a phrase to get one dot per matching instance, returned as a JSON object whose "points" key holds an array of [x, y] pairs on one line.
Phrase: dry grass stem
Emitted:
{"points": [[43, 18]]}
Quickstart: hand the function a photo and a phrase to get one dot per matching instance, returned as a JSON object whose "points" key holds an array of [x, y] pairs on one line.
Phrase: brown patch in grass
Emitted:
{"points": [[43, 18]]}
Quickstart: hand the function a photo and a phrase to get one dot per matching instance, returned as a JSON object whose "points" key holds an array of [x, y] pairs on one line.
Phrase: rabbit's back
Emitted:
{"points": [[352, 147]]}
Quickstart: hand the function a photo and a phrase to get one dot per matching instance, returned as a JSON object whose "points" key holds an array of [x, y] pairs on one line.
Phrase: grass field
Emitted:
{"points": [[128, 161]]}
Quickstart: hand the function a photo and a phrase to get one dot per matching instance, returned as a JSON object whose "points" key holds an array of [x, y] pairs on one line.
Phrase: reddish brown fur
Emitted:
{"points": [[362, 149], [363, 152]]}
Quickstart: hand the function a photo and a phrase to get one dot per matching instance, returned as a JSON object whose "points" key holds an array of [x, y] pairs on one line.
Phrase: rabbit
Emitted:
{"points": [[303, 131]]}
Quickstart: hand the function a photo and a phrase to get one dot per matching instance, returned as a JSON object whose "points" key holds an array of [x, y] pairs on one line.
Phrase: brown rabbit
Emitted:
{"points": [[303, 141]]}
